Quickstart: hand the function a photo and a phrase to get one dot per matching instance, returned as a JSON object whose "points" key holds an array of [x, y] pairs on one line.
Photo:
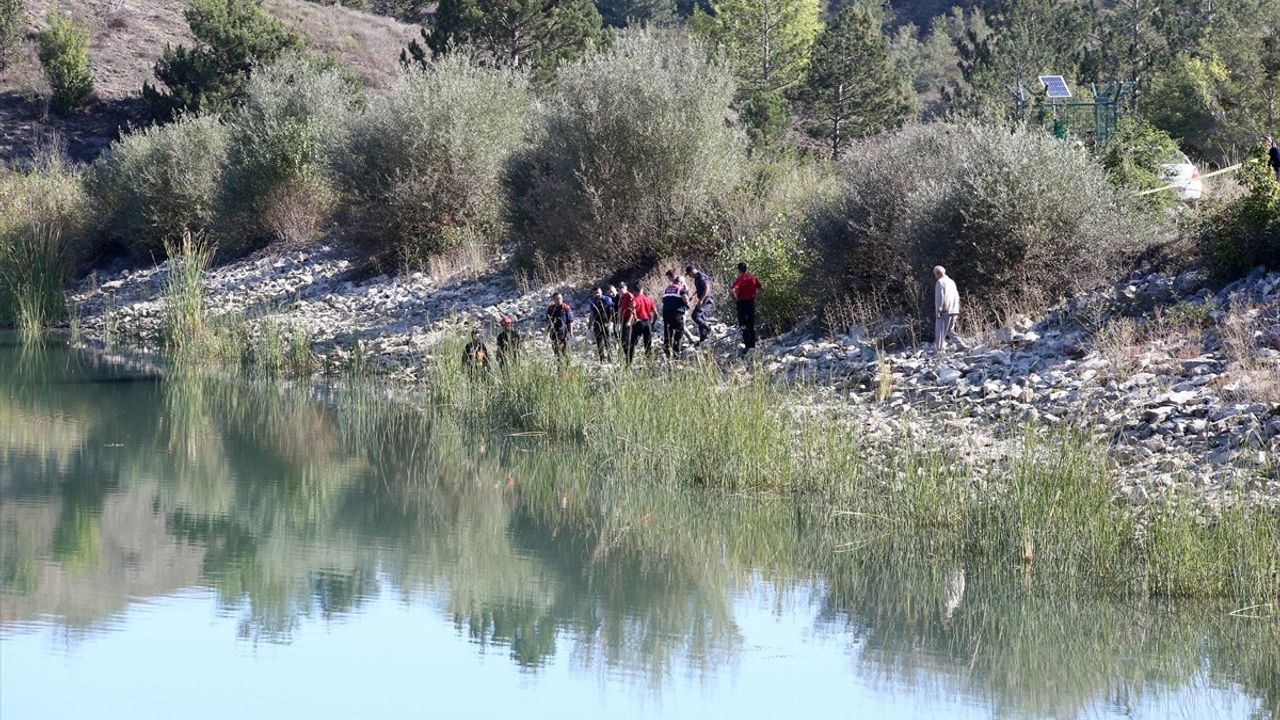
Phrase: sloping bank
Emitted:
{"points": [[1028, 444]]}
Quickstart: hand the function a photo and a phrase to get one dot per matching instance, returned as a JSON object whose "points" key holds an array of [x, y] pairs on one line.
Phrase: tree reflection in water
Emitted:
{"points": [[291, 503]]}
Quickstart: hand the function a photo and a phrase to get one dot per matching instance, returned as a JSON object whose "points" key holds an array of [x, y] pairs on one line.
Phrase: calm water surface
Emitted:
{"points": [[204, 548]]}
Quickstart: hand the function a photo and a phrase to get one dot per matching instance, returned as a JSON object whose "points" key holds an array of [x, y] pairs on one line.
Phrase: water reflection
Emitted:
{"points": [[300, 504]]}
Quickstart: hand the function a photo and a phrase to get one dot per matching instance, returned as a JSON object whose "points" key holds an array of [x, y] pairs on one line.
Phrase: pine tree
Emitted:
{"points": [[1025, 39], [232, 38], [851, 88], [536, 34], [767, 42]]}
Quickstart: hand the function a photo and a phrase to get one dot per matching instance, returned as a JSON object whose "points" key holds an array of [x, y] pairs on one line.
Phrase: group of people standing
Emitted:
{"points": [[618, 316], [622, 318]]}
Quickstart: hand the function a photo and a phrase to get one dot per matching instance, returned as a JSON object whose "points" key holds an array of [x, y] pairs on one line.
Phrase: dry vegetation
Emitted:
{"points": [[127, 38]]}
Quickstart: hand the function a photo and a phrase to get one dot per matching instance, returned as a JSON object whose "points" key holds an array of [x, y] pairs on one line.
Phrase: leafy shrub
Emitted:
{"points": [[1016, 217], [428, 157], [64, 54], [780, 257], [1246, 232], [632, 158], [1133, 157], [40, 231], [232, 37], [161, 184], [277, 181], [13, 24]]}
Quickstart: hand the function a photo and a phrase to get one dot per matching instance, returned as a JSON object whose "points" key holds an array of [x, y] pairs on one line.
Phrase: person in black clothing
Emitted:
{"points": [[475, 356], [601, 320], [615, 322], [508, 343], [559, 326], [1273, 155], [675, 302], [702, 301]]}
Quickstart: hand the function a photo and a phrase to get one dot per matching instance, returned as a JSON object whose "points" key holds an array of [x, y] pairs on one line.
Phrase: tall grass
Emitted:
{"points": [[40, 226], [191, 334], [1047, 507]]}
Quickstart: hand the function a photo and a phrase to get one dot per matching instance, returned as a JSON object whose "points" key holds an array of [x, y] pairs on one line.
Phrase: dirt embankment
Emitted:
{"points": [[128, 36]]}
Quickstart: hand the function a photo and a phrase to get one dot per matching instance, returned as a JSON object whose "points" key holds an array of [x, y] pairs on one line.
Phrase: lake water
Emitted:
{"points": [[208, 548]]}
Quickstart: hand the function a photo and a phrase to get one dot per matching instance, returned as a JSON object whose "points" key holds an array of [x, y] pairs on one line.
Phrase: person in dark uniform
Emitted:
{"points": [[1273, 155], [508, 343], [675, 302], [559, 326], [702, 301], [475, 356], [600, 319]]}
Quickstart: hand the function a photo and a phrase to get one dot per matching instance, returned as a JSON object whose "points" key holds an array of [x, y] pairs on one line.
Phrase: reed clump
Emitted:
{"points": [[40, 234], [192, 335], [1050, 506]]}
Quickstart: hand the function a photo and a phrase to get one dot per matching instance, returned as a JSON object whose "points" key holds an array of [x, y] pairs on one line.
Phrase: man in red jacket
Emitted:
{"points": [[626, 313], [640, 324], [745, 290]]}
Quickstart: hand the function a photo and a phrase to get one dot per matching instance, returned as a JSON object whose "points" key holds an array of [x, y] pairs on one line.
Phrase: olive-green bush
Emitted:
{"points": [[427, 159], [1018, 217], [157, 185], [64, 55], [278, 179], [1245, 232], [632, 159]]}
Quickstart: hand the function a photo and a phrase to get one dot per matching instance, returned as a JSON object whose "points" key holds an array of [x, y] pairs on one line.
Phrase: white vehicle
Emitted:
{"points": [[1184, 176]]}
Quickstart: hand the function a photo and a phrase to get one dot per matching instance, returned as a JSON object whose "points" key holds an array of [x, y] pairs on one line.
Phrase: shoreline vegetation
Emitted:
{"points": [[658, 148], [318, 475]]}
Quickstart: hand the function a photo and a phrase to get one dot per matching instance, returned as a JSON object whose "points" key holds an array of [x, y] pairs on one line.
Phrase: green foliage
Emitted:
{"points": [[766, 42], [1246, 232], [1020, 40], [780, 257], [524, 34], [1015, 217], [160, 185], [294, 119], [851, 89], [427, 159], [13, 26], [766, 117], [624, 13], [41, 229], [1133, 158], [64, 54], [632, 158], [925, 63], [232, 37]]}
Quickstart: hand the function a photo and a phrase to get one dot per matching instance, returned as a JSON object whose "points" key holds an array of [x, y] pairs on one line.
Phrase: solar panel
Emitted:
{"points": [[1055, 87]]}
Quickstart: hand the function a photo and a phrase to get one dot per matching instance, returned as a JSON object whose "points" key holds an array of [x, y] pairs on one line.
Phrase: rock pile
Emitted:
{"points": [[1182, 382]]}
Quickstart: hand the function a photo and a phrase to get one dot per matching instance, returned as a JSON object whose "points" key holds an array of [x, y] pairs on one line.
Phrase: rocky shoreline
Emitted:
{"points": [[1181, 382]]}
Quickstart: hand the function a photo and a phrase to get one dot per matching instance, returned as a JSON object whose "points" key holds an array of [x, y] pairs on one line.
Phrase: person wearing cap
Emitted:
{"points": [[1273, 155], [640, 324], [508, 343], [702, 301], [600, 318], [675, 302], [559, 326], [475, 356], [745, 288], [946, 305]]}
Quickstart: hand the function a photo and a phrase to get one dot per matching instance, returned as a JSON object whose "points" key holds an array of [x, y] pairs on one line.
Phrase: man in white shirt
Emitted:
{"points": [[946, 305]]}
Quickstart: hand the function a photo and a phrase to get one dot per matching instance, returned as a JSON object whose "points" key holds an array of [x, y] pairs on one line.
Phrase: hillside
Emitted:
{"points": [[129, 35]]}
